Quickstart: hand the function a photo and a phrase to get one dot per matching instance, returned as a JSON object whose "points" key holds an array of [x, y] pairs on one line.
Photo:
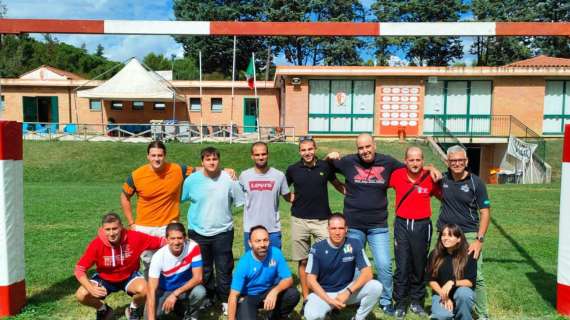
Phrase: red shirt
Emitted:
{"points": [[116, 263], [417, 204]]}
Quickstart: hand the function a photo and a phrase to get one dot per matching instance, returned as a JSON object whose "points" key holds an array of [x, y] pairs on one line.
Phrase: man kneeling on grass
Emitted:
{"points": [[115, 252], [262, 280], [174, 277]]}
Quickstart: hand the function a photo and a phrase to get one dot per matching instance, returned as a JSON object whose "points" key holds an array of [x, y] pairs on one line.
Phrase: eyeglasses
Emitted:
{"points": [[306, 138], [457, 160]]}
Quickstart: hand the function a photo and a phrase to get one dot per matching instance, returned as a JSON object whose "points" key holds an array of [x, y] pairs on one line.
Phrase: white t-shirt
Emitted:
{"points": [[175, 271]]}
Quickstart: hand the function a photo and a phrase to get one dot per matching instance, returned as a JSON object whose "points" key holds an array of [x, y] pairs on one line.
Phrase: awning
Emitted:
{"points": [[133, 83]]}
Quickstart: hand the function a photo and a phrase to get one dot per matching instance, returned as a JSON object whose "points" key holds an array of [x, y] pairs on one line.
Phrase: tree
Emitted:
{"points": [[431, 51], [3, 9], [497, 51], [217, 52], [157, 62], [100, 50], [318, 50], [553, 11]]}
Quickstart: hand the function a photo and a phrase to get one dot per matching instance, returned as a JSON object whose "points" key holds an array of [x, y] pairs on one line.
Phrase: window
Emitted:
{"points": [[138, 105], [95, 105], [2, 99], [217, 104], [341, 106], [556, 107], [159, 106], [116, 105], [463, 106], [195, 104]]}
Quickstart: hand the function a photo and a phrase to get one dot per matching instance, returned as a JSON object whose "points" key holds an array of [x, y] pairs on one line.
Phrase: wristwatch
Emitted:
{"points": [[481, 238]]}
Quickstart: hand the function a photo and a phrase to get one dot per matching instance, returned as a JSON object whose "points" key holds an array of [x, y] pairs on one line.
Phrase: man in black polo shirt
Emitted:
{"points": [[367, 176], [310, 209], [465, 202]]}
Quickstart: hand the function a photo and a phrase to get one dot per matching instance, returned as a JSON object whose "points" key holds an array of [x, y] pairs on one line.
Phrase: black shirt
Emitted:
{"points": [[461, 201], [445, 272], [311, 192], [365, 204]]}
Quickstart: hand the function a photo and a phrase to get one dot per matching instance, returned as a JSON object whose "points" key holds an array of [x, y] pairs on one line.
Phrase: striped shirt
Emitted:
{"points": [[175, 271]]}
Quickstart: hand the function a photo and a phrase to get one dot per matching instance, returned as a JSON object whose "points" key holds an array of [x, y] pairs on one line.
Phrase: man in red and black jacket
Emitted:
{"points": [[115, 252], [412, 231]]}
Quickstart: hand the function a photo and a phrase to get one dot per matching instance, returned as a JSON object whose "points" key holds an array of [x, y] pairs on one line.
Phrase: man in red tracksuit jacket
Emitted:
{"points": [[115, 253], [412, 231]]}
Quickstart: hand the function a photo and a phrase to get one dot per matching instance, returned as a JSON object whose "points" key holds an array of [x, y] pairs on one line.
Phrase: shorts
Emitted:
{"points": [[146, 255], [112, 287], [302, 230]]}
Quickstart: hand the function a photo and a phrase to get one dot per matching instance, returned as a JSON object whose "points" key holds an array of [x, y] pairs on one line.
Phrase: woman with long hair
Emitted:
{"points": [[452, 273]]}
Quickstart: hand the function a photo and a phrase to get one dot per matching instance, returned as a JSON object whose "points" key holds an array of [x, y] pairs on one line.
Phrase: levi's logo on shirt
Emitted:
{"points": [[371, 175], [261, 185]]}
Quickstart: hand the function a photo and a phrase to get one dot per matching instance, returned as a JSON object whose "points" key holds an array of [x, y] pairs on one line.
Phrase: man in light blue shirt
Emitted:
{"points": [[262, 280], [210, 223]]}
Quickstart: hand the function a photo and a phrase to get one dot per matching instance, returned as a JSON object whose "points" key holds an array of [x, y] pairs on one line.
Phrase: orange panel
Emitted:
{"points": [[294, 28], [15, 26], [400, 110], [533, 29]]}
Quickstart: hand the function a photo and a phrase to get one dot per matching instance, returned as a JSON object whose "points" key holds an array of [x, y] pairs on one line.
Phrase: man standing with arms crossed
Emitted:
{"points": [[263, 185], [310, 210], [210, 223], [465, 202], [367, 176], [175, 277], [412, 231]]}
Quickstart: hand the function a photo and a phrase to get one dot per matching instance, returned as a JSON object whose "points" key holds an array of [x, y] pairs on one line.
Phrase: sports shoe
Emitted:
{"points": [[106, 314], [134, 313], [388, 310], [303, 307], [399, 313], [418, 309], [225, 308]]}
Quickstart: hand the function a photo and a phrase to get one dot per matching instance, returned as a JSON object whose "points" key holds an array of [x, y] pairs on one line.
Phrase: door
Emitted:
{"points": [[433, 107], [30, 111], [456, 106], [250, 114]]}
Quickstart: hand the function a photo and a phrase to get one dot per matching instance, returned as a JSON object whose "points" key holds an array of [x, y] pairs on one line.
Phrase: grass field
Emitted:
{"points": [[68, 186]]}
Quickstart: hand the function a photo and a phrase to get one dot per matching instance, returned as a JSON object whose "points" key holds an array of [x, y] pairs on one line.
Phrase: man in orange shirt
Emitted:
{"points": [[157, 185]]}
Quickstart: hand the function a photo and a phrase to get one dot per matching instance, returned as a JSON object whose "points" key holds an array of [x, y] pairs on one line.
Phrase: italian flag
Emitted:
{"points": [[250, 74]]}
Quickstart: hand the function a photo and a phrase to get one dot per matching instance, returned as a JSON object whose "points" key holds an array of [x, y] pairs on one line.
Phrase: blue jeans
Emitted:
{"points": [[274, 240], [379, 240], [462, 305]]}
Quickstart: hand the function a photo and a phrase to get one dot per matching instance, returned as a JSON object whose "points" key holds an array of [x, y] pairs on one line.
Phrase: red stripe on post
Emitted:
{"points": [[12, 298], [566, 147], [533, 29], [10, 140], [222, 28], [563, 299], [16, 26]]}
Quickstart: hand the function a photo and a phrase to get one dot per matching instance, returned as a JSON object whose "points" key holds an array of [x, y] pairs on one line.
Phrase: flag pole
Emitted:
{"points": [[233, 90], [201, 112], [256, 99]]}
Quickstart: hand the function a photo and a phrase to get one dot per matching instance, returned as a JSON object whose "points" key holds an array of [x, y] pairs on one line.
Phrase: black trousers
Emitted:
{"points": [[286, 302], [411, 247], [216, 256]]}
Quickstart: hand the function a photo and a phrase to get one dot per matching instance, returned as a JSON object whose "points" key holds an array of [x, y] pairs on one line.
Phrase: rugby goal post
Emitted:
{"points": [[12, 268], [563, 279]]}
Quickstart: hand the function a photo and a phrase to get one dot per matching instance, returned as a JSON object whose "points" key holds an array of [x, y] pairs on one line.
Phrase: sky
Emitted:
{"points": [[121, 48]]}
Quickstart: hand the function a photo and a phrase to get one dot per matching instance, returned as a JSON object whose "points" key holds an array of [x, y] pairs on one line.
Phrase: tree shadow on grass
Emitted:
{"points": [[543, 281], [55, 292]]}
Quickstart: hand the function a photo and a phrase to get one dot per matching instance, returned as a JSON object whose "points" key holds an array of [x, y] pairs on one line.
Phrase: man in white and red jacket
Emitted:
{"points": [[115, 253]]}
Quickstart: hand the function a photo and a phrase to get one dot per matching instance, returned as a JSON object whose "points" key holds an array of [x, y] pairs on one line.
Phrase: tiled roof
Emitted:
{"points": [[541, 61]]}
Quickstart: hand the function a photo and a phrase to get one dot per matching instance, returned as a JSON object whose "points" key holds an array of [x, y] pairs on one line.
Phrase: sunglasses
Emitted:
{"points": [[306, 138]]}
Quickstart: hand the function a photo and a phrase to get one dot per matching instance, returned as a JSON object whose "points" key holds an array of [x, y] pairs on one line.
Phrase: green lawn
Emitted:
{"points": [[69, 185]]}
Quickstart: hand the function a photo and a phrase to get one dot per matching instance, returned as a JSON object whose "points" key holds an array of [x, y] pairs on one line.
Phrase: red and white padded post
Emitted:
{"points": [[12, 282], [563, 281]]}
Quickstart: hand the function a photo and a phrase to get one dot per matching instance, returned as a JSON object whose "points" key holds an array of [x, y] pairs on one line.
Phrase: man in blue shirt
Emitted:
{"points": [[262, 279], [331, 274], [210, 224]]}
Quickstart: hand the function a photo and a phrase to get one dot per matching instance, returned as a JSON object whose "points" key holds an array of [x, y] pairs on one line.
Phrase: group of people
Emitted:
{"points": [[186, 270]]}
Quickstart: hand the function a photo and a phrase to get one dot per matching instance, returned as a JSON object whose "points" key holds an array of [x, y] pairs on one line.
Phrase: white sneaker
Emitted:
{"points": [[225, 308]]}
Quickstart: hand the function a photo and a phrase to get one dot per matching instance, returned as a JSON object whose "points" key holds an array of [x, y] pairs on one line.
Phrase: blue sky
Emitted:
{"points": [[120, 48]]}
